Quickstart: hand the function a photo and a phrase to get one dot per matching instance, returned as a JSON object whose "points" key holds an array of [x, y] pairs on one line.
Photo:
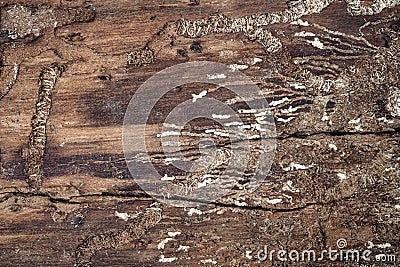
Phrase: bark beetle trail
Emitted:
{"points": [[118, 239], [37, 139], [250, 26]]}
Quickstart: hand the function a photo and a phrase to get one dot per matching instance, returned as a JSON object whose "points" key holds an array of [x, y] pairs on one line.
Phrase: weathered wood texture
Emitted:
{"points": [[329, 69]]}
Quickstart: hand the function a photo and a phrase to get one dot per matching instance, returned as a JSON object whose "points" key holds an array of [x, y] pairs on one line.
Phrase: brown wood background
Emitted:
{"points": [[336, 168]]}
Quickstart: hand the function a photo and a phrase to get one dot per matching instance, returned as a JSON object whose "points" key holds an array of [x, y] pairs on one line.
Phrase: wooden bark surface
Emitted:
{"points": [[330, 71]]}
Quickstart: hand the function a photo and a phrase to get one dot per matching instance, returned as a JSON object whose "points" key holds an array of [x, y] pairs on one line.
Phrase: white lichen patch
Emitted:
{"points": [[333, 147], [227, 53], [169, 161], [211, 261], [236, 67], [247, 111], [235, 210], [383, 119], [205, 182], [248, 254], [171, 125], [167, 260], [298, 86], [290, 110], [170, 237], [278, 102], [304, 34], [122, 215], [380, 246], [261, 120], [300, 23], [316, 43], [355, 121], [263, 113], [193, 211], [162, 244], [240, 203], [285, 120], [256, 60], [295, 166], [174, 234], [257, 126], [341, 176], [220, 117], [274, 201], [216, 76], [199, 96], [167, 178], [233, 123], [289, 187], [356, 124], [325, 118], [384, 245], [183, 248], [126, 216], [358, 128], [290, 198]]}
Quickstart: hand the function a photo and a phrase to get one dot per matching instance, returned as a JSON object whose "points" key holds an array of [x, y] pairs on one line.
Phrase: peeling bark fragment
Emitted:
{"points": [[37, 139], [21, 23]]}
